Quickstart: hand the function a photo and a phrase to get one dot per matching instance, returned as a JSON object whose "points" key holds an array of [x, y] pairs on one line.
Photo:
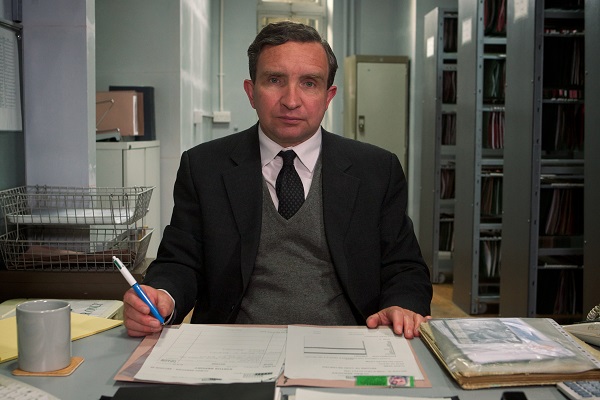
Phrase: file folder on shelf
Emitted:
{"points": [[149, 129], [120, 111]]}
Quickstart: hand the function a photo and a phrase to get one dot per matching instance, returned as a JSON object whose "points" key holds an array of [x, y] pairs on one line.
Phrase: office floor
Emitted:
{"points": [[442, 305]]}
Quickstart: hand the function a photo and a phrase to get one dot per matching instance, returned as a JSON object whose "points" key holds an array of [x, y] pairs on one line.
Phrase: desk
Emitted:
{"points": [[106, 352], [107, 285]]}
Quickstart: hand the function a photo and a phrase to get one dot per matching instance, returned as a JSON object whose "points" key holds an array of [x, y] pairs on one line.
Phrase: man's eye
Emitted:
{"points": [[310, 84], [273, 80]]}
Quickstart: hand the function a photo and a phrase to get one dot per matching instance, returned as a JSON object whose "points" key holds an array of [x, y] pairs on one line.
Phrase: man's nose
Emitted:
{"points": [[291, 97]]}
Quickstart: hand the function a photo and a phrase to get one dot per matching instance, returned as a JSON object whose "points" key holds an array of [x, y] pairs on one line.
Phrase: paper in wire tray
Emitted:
{"points": [[51, 248], [74, 205]]}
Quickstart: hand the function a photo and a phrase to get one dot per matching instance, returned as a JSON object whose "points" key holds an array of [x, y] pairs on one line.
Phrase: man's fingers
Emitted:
{"points": [[136, 313], [403, 321]]}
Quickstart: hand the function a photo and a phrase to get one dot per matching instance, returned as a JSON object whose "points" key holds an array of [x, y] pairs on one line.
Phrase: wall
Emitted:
{"points": [[389, 29], [196, 77], [239, 29], [163, 44], [59, 92], [56, 65]]}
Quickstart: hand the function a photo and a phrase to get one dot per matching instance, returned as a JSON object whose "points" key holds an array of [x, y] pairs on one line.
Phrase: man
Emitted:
{"points": [[342, 252]]}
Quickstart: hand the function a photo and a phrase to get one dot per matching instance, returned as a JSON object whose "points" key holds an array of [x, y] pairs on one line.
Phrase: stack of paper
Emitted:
{"points": [[488, 352], [314, 356]]}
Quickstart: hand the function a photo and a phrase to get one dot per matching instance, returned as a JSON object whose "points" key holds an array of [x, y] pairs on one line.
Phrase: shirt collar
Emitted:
{"points": [[307, 151]]}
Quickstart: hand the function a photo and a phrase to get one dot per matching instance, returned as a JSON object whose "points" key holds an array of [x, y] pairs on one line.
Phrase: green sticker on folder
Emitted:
{"points": [[390, 381]]}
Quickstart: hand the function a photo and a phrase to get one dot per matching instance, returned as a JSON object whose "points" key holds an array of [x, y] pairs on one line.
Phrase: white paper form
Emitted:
{"points": [[320, 394], [194, 354], [344, 353]]}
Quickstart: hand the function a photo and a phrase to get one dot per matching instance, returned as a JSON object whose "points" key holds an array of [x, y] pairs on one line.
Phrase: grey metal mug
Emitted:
{"points": [[44, 335]]}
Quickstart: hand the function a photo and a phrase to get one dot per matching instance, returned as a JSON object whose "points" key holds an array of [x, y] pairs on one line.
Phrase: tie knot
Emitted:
{"points": [[288, 157]]}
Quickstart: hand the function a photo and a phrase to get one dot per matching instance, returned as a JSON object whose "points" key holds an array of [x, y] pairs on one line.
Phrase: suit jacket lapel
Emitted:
{"points": [[244, 188], [340, 190]]}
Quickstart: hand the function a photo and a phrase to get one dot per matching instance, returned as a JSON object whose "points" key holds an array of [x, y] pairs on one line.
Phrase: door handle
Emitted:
{"points": [[361, 124]]}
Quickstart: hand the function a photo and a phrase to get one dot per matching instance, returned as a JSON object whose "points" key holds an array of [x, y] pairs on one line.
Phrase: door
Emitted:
{"points": [[381, 106]]}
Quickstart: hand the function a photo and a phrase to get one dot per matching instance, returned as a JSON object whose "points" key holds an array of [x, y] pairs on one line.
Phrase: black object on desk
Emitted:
{"points": [[238, 391], [513, 395]]}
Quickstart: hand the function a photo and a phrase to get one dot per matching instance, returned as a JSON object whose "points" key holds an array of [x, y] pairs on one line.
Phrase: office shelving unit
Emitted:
{"points": [[591, 226], [550, 228], [438, 142], [479, 154]]}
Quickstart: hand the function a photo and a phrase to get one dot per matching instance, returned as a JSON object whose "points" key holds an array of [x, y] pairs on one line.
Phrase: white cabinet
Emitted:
{"points": [[127, 164]]}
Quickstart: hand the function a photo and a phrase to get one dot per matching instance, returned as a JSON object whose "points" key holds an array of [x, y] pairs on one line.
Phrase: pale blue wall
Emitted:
{"points": [[59, 102], [239, 29], [164, 44]]}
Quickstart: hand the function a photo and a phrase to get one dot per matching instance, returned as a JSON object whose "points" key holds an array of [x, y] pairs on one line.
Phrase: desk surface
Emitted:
{"points": [[105, 353]]}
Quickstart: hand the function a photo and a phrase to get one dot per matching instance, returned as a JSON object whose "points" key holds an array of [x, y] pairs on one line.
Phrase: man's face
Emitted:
{"points": [[290, 94]]}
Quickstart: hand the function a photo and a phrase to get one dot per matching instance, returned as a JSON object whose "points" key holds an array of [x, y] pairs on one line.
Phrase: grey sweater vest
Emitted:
{"points": [[294, 281]]}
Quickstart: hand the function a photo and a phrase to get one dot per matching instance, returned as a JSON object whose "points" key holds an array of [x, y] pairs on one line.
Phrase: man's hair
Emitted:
{"points": [[286, 31]]}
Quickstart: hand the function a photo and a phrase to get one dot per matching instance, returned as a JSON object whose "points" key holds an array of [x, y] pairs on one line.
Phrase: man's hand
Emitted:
{"points": [[136, 314], [402, 320]]}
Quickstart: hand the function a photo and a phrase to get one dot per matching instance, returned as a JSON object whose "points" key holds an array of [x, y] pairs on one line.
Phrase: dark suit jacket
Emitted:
{"points": [[208, 251]]}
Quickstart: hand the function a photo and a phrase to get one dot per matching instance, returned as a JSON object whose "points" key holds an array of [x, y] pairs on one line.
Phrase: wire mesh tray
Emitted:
{"points": [[75, 205], [73, 249]]}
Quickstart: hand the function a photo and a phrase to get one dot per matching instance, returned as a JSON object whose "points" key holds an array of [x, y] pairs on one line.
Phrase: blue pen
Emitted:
{"points": [[138, 290]]}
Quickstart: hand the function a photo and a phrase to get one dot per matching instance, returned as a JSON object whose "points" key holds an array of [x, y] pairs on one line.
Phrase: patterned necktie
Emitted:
{"points": [[288, 186]]}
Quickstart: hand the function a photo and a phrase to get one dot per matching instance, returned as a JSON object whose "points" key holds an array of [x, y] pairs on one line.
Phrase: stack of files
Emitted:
{"points": [[447, 186], [446, 232], [449, 87], [565, 301], [495, 352], [494, 78], [451, 34], [495, 17], [490, 257], [564, 68], [563, 214], [449, 129], [491, 194], [493, 130], [563, 127]]}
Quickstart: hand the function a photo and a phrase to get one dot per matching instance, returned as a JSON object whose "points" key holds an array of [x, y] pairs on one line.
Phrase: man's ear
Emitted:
{"points": [[249, 89], [331, 94]]}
